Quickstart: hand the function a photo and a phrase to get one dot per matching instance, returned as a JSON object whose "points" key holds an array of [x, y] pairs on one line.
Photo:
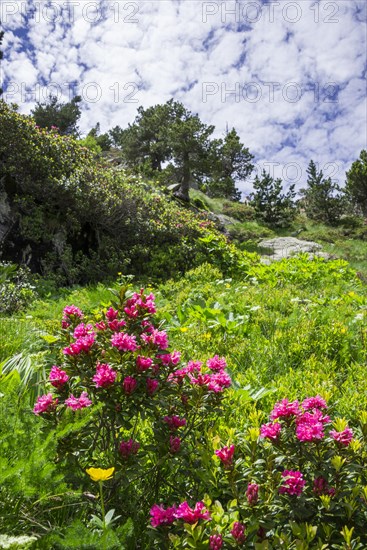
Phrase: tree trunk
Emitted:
{"points": [[183, 191]]}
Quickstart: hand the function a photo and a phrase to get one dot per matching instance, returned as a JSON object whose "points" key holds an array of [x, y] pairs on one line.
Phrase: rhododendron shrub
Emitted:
{"points": [[298, 481], [120, 397]]}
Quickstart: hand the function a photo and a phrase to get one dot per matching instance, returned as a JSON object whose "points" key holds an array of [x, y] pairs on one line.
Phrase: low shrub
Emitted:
{"points": [[17, 290]]}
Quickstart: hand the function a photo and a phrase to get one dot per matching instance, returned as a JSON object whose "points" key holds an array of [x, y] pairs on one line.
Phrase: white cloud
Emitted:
{"points": [[151, 50]]}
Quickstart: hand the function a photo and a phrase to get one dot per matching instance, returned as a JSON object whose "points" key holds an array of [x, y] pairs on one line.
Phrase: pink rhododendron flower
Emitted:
{"points": [[189, 515], [215, 542], [124, 342], [81, 344], [174, 422], [112, 314], [161, 516], [178, 375], [226, 455], [238, 532], [72, 311], [219, 381], [271, 430], [45, 403], [58, 377], [170, 358], [285, 409], [116, 325], [216, 382], [292, 483], [76, 403], [314, 403], [147, 326], [174, 444], [156, 338], [252, 493], [105, 376], [344, 437], [320, 487], [152, 386], [82, 330], [140, 304], [128, 448], [101, 325], [310, 426], [216, 363], [65, 324], [129, 384], [143, 363]]}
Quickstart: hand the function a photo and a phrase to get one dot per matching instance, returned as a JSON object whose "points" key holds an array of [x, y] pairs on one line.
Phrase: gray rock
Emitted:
{"points": [[286, 247]]}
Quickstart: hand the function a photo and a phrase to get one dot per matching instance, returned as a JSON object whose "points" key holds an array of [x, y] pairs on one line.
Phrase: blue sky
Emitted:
{"points": [[290, 76]]}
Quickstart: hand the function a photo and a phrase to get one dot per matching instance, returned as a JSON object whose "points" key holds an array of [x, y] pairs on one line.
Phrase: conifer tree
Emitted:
{"points": [[271, 204]]}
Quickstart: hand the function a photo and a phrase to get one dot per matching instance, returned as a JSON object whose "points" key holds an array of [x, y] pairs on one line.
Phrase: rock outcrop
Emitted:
{"points": [[285, 247]]}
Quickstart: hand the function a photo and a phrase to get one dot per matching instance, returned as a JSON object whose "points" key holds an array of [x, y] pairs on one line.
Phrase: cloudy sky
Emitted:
{"points": [[290, 76]]}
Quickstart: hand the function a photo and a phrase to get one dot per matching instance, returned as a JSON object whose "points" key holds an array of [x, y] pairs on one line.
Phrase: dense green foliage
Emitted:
{"points": [[78, 221], [63, 117], [356, 184]]}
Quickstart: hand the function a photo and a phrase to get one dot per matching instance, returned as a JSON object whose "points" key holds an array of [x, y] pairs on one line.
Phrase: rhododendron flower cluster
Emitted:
{"points": [[128, 448], [83, 330], [271, 430], [293, 482], [252, 493], [152, 385], [84, 343], [216, 364], [143, 363], [124, 342], [129, 384], [238, 532], [226, 455], [140, 304], [316, 402], [285, 409], [156, 338], [174, 422], [170, 358], [320, 487], [344, 437], [174, 444], [162, 516], [105, 376], [310, 426], [76, 403], [192, 515], [58, 377], [215, 542], [45, 403], [309, 419]]}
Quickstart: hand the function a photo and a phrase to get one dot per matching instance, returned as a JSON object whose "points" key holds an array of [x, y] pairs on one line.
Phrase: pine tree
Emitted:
{"points": [[230, 163], [271, 204], [322, 198], [63, 116]]}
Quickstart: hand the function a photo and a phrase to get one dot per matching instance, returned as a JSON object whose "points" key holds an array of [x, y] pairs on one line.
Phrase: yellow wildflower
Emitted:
{"points": [[100, 474]]}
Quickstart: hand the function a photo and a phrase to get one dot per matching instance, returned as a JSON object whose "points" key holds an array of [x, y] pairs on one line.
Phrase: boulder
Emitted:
{"points": [[286, 247]]}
